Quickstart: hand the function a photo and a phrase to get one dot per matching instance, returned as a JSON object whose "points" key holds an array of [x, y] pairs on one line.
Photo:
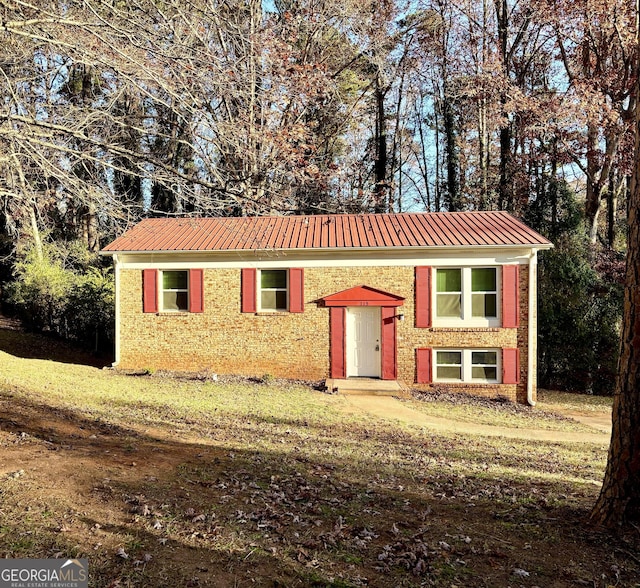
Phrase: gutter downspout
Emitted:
{"points": [[531, 325], [116, 264]]}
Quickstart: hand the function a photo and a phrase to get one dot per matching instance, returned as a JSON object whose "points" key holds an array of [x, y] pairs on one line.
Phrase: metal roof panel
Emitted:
{"points": [[343, 232]]}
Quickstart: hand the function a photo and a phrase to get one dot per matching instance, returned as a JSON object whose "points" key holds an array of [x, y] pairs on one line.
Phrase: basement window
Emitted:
{"points": [[467, 365]]}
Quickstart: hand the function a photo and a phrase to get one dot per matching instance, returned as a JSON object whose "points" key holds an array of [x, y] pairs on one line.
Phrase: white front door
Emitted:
{"points": [[363, 341]]}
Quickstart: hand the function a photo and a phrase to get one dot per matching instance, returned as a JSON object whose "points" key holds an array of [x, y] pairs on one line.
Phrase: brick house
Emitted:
{"points": [[428, 299]]}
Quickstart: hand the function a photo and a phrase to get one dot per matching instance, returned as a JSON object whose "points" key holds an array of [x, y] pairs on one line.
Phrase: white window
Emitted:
{"points": [[449, 293], [484, 365], [466, 295], [467, 365], [273, 290], [174, 294], [448, 365]]}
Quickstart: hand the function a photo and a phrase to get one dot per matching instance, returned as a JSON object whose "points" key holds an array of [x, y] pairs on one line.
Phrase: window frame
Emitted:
{"points": [[466, 318], [260, 289], [162, 290], [437, 365], [466, 355], [449, 293]]}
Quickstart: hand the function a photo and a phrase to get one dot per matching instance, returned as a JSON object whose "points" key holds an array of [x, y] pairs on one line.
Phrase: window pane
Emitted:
{"points": [[484, 305], [281, 300], [449, 280], [174, 301], [274, 300], [174, 280], [449, 305], [491, 305], [449, 357], [484, 357], [484, 373], [273, 278], [483, 279], [449, 373], [268, 300]]}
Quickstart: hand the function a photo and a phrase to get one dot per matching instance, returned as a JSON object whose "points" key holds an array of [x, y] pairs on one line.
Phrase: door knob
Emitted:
{"points": [[377, 347]]}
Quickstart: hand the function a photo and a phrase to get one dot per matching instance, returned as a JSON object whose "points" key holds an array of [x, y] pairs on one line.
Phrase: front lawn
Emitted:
{"points": [[173, 482]]}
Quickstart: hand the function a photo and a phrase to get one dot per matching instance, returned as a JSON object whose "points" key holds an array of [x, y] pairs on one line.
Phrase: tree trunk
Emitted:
{"points": [[451, 153], [553, 190], [483, 128], [483, 153], [619, 499], [89, 222], [505, 195], [380, 167], [30, 205], [437, 201], [612, 204], [35, 233], [505, 192], [593, 195]]}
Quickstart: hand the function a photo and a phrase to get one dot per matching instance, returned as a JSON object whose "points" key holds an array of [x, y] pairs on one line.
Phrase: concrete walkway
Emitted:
{"points": [[392, 409], [366, 387]]}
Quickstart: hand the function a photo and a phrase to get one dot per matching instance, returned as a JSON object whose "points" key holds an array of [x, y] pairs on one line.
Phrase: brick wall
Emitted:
{"points": [[224, 340]]}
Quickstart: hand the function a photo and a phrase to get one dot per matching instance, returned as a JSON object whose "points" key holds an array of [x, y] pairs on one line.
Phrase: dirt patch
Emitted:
{"points": [[87, 476]]}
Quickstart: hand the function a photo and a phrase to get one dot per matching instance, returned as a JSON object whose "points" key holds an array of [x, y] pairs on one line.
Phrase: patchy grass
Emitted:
{"points": [[552, 400], [499, 413], [172, 482]]}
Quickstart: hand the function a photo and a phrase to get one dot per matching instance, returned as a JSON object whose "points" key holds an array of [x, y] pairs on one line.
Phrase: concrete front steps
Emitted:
{"points": [[367, 387]]}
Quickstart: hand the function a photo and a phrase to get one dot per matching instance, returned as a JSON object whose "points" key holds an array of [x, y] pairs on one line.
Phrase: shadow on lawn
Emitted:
{"points": [[19, 343], [217, 513]]}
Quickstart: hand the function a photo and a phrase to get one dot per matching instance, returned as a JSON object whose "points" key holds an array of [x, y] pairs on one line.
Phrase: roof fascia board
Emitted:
{"points": [[372, 259]]}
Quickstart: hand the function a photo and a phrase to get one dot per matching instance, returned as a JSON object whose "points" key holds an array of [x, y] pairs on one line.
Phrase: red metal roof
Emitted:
{"points": [[340, 231]]}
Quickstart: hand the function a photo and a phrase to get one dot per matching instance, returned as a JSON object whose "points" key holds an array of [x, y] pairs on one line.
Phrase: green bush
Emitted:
{"points": [[579, 315], [579, 300], [89, 311], [40, 289], [63, 290]]}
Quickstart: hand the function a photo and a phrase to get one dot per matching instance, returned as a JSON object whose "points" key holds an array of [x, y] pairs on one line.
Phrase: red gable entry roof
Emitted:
{"points": [[362, 296], [340, 231]]}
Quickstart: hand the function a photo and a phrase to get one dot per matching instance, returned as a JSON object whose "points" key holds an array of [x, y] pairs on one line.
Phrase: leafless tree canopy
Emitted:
{"points": [[113, 110]]}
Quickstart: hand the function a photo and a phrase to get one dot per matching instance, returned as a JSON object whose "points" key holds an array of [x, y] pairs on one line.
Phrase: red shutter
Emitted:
{"points": [[150, 290], [423, 297], [510, 296], [510, 366], [337, 351], [248, 290], [388, 343], [296, 290], [423, 366], [196, 290]]}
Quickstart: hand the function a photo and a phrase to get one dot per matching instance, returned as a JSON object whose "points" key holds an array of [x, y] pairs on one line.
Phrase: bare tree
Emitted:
{"points": [[116, 110], [598, 51]]}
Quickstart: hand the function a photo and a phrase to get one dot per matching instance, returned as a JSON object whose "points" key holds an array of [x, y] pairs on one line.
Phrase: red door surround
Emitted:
{"points": [[362, 296]]}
